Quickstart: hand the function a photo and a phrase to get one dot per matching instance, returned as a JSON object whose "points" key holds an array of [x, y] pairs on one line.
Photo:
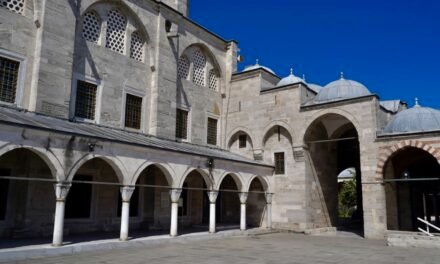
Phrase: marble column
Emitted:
{"points": [[212, 198], [126, 193], [269, 210], [61, 191], [175, 196], [243, 198]]}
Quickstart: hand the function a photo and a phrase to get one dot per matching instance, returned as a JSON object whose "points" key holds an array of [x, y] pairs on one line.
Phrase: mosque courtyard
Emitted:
{"points": [[269, 248]]}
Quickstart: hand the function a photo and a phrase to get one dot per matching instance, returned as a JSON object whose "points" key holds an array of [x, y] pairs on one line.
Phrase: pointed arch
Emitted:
{"points": [[166, 169], [202, 172], [208, 53], [47, 156], [238, 179], [237, 130], [117, 166], [272, 125], [264, 182]]}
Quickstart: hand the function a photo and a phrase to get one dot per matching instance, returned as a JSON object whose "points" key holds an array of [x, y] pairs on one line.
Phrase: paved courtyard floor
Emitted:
{"points": [[272, 248]]}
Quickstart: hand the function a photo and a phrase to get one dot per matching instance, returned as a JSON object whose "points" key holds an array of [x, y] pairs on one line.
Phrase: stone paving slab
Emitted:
{"points": [[271, 248]]}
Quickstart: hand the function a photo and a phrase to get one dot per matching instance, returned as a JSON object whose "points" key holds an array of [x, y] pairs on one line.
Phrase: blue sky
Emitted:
{"points": [[391, 46]]}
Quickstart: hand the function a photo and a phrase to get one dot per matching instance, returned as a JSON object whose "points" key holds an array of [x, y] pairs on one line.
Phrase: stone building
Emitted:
{"points": [[128, 116]]}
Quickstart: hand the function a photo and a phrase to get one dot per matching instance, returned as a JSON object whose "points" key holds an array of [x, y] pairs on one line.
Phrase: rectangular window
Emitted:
{"points": [[181, 124], [133, 111], [79, 199], [8, 79], [279, 163], [4, 190], [242, 139], [212, 131], [85, 100]]}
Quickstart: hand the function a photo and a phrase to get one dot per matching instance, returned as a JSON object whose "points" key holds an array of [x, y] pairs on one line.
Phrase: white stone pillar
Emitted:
{"points": [[269, 210], [61, 191], [126, 193], [212, 198], [243, 198], [175, 196]]}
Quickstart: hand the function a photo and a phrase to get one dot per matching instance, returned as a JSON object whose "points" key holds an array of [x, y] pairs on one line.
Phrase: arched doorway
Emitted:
{"points": [[256, 204], [412, 189], [333, 149], [27, 176], [193, 210], [92, 201], [228, 204]]}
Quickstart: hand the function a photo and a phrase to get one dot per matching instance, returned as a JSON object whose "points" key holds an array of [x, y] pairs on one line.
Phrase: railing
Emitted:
{"points": [[428, 224]]}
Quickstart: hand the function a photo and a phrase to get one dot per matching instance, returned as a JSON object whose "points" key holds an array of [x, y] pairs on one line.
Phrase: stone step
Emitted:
{"points": [[412, 239]]}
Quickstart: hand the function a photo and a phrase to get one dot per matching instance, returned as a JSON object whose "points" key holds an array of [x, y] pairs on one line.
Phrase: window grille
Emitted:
{"points": [[91, 27], [213, 80], [183, 67], [16, 6], [133, 111], [212, 131], [242, 140], [181, 124], [137, 47], [116, 25], [8, 79], [199, 64], [279, 163], [85, 100]]}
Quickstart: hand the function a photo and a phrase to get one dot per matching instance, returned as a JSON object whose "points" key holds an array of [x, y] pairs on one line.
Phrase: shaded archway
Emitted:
{"points": [[228, 203], [92, 201], [28, 176], [194, 203], [151, 199], [256, 203], [241, 142], [332, 147], [412, 177]]}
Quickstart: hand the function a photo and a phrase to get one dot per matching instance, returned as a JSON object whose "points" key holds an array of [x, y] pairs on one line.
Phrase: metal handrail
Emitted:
{"points": [[428, 224]]}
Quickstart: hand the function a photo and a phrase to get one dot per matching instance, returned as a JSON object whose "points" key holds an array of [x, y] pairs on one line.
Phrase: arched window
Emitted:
{"points": [[116, 24], [91, 27], [213, 79], [199, 62], [183, 67], [16, 6], [137, 46]]}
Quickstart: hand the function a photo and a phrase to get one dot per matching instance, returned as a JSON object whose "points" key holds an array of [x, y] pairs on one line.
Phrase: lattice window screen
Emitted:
{"points": [[116, 25], [213, 80], [137, 46], [91, 27], [16, 6], [199, 61], [183, 67], [8, 79]]}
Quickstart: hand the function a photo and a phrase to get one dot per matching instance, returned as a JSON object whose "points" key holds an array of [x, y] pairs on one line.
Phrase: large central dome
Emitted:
{"points": [[340, 90], [416, 119]]}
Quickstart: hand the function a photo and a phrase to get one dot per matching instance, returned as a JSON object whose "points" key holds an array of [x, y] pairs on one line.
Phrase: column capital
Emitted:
{"points": [[268, 197], [126, 193], [61, 190], [243, 197], [212, 196], [175, 195]]}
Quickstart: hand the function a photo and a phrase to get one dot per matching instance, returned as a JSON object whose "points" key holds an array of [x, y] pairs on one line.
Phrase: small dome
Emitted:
{"points": [[415, 119], [291, 79], [258, 66], [315, 87], [341, 89]]}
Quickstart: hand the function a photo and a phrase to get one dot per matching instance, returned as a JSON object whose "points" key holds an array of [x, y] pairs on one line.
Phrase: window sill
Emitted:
{"points": [[85, 120]]}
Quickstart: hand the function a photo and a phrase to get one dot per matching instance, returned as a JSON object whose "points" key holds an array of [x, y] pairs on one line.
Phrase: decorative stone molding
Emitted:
{"points": [[243, 197], [258, 154], [175, 195], [126, 193], [212, 196], [387, 152], [61, 191], [268, 197]]}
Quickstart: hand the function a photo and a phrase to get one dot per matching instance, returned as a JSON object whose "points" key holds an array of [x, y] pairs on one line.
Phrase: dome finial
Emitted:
{"points": [[417, 102], [304, 77], [257, 62], [291, 71], [342, 75]]}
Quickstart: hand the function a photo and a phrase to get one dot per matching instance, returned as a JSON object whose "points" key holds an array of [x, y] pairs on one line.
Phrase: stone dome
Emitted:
{"points": [[291, 79], [415, 119], [340, 90], [258, 66], [315, 87]]}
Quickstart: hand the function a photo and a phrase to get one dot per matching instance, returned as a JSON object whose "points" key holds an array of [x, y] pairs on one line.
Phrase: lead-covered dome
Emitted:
{"points": [[258, 66], [340, 90], [291, 79], [416, 119]]}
